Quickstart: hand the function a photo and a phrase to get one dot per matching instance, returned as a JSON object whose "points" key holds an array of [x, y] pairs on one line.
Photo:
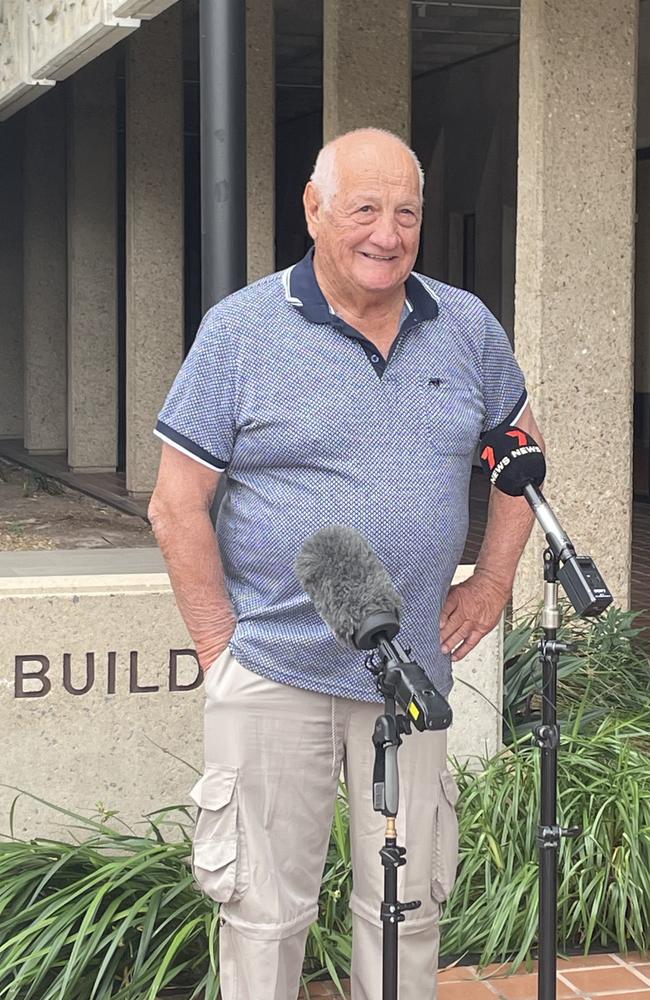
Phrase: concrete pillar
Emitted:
{"points": [[154, 234], [44, 257], [11, 280], [575, 244], [260, 129], [92, 268], [366, 66]]}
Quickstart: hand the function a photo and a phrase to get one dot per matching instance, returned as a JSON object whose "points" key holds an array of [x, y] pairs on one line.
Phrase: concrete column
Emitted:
{"points": [[154, 235], [366, 66], [44, 256], [575, 244], [92, 268], [260, 129], [11, 280]]}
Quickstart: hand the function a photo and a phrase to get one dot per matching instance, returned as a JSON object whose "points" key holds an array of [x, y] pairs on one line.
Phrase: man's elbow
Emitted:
{"points": [[157, 514]]}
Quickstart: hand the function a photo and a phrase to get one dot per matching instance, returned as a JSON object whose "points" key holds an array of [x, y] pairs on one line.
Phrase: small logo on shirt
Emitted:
{"points": [[435, 381]]}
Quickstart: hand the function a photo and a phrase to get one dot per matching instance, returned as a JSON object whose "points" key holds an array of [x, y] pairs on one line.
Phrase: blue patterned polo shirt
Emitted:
{"points": [[312, 427]]}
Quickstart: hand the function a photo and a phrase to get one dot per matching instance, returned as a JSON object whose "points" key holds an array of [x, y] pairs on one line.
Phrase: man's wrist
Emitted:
{"points": [[208, 650], [499, 583]]}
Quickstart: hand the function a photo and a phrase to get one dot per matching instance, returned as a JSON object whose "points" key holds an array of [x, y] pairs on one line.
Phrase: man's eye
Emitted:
{"points": [[365, 208]]}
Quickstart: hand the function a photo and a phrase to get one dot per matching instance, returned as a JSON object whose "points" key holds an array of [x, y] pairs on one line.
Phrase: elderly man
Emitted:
{"points": [[346, 390]]}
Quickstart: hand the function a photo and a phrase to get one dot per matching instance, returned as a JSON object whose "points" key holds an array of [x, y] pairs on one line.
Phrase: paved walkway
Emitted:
{"points": [[590, 978]]}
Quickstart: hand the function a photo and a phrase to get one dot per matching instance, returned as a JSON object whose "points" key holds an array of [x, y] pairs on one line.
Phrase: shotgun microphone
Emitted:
{"points": [[515, 464], [354, 595]]}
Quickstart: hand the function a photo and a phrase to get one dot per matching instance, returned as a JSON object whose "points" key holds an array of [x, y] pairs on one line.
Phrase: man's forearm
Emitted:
{"points": [[189, 546], [509, 524]]}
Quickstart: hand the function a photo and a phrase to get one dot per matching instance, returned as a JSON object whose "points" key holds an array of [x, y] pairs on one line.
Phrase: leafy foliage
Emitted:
{"points": [[607, 671], [117, 915], [603, 877]]}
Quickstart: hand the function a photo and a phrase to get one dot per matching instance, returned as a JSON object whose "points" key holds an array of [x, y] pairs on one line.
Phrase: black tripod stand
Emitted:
{"points": [[547, 738], [402, 681]]}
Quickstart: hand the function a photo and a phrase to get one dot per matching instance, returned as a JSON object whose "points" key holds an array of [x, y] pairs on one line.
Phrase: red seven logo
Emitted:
{"points": [[516, 433], [487, 455]]}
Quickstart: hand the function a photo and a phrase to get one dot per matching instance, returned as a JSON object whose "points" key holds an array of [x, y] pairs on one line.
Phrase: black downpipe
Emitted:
{"points": [[222, 27]]}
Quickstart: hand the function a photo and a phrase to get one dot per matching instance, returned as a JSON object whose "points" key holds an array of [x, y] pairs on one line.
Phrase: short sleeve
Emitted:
{"points": [[198, 417], [504, 386]]}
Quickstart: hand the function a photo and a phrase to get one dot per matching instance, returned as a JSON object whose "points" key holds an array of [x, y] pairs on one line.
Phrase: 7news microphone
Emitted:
{"points": [[515, 464], [353, 594]]}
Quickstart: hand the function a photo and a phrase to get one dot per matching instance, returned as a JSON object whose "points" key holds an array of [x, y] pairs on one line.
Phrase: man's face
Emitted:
{"points": [[367, 236]]}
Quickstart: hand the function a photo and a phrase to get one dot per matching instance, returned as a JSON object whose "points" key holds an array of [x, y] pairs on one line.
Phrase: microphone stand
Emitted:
{"points": [[402, 682], [387, 739], [547, 738]]}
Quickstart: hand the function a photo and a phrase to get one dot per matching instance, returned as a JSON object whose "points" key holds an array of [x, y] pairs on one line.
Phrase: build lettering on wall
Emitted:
{"points": [[36, 675]]}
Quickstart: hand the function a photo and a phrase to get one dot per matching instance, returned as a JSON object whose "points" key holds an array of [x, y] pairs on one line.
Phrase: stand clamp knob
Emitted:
{"points": [[393, 857], [393, 913], [550, 836], [547, 737]]}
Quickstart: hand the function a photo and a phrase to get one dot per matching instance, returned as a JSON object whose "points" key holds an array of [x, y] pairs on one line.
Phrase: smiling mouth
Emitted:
{"points": [[375, 256]]}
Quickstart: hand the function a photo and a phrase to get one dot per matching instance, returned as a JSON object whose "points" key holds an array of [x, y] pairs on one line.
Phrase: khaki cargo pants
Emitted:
{"points": [[273, 756]]}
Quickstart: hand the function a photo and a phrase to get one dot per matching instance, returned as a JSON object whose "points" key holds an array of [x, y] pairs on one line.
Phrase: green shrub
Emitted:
{"points": [[118, 916], [603, 877], [607, 671]]}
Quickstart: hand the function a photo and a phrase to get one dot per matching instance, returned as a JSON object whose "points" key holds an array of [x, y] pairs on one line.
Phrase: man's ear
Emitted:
{"points": [[312, 206]]}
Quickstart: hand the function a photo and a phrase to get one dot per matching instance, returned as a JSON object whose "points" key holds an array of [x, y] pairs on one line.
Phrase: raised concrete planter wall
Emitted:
{"points": [[96, 668]]}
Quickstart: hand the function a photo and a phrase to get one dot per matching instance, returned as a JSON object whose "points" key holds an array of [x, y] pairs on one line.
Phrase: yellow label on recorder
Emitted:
{"points": [[414, 710]]}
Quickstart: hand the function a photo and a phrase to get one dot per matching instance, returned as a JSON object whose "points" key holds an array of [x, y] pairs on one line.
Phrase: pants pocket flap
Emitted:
{"points": [[214, 854], [445, 844], [449, 787], [215, 788]]}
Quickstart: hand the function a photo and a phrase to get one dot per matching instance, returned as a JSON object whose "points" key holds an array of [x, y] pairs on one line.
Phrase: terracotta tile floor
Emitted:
{"points": [[612, 976]]}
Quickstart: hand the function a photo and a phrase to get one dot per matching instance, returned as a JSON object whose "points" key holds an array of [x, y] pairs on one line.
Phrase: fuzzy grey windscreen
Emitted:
{"points": [[345, 580]]}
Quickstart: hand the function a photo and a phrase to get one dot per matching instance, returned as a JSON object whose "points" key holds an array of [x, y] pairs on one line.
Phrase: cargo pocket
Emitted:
{"points": [[445, 838], [219, 862]]}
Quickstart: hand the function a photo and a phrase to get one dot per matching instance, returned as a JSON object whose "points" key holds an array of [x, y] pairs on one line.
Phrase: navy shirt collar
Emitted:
{"points": [[303, 291]]}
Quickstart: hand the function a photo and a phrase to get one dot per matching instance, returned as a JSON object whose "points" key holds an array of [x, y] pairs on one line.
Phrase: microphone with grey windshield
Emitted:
{"points": [[353, 594]]}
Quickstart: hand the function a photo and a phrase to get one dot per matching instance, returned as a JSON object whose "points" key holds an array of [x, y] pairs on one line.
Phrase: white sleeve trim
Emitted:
{"points": [[185, 451], [518, 415]]}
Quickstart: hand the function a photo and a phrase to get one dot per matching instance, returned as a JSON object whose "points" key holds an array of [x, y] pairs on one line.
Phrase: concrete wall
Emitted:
{"points": [[98, 680]]}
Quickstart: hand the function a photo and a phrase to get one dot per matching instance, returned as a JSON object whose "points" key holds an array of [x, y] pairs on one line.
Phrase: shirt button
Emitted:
{"points": [[375, 358]]}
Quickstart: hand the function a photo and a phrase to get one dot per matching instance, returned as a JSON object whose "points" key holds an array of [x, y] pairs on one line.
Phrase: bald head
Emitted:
{"points": [[363, 207], [358, 151]]}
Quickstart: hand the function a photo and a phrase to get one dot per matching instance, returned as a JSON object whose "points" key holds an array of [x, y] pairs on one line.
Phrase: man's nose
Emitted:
{"points": [[385, 233]]}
